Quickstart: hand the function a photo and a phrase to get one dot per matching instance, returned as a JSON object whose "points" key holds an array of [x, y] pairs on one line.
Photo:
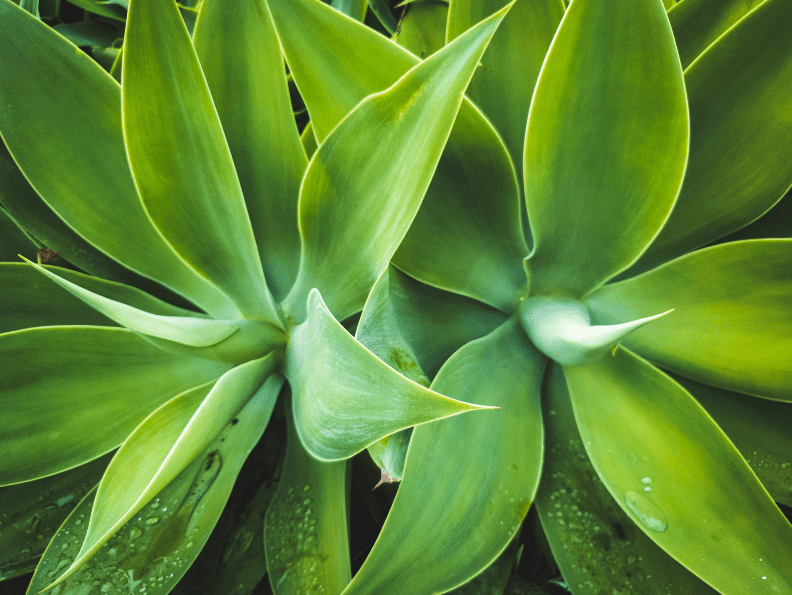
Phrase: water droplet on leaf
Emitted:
{"points": [[647, 511]]}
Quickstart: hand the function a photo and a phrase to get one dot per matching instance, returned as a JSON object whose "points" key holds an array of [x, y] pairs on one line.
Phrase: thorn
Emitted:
{"points": [[384, 478]]}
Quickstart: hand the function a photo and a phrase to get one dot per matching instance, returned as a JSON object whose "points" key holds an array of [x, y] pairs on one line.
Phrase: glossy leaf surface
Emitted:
{"points": [[677, 476], [355, 9], [423, 28], [344, 398], [602, 173], [597, 547], [367, 179], [730, 321], [82, 121], [241, 59], [456, 241], [305, 534], [95, 377], [454, 531], [180, 159], [741, 134]]}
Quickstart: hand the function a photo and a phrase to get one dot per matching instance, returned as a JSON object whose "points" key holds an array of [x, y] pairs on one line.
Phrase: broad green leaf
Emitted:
{"points": [[776, 223], [731, 318], [423, 28], [62, 383], [367, 179], [678, 477], [504, 83], [758, 428], [468, 482], [601, 175], [344, 397], [740, 135], [28, 300], [699, 23], [49, 89], [355, 9], [457, 241], [33, 511], [381, 8], [181, 161], [155, 548], [241, 58], [596, 545], [14, 239], [89, 34], [166, 442], [110, 10], [305, 533], [189, 330]]}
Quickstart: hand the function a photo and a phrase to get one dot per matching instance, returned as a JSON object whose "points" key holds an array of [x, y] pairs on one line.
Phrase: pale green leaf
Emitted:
{"points": [[602, 174], [189, 330], [62, 383], [344, 397], [51, 90], [731, 318], [504, 83], [457, 241], [166, 442], [181, 161], [740, 134], [423, 28], [241, 59], [367, 179], [33, 511], [469, 481], [678, 477], [155, 548], [596, 545], [305, 532]]}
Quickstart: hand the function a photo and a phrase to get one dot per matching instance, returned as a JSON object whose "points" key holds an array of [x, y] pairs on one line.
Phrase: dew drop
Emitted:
{"points": [[152, 521], [646, 481], [646, 511], [134, 533], [764, 578]]}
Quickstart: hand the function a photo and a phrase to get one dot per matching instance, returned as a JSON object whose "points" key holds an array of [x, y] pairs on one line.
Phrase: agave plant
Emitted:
{"points": [[648, 136], [189, 175]]}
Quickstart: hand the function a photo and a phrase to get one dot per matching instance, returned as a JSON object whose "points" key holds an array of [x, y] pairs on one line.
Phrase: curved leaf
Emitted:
{"points": [[504, 83], [355, 9], [180, 160], [423, 28], [344, 397], [381, 8], [49, 89], [367, 179], [602, 174], [14, 239], [731, 318], [741, 134], [457, 241], [155, 549], [189, 330], [468, 482], [678, 477], [597, 547], [305, 532], [60, 384], [776, 223], [165, 443], [241, 59]]}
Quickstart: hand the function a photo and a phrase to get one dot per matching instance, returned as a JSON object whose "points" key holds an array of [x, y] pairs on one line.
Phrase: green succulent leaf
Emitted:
{"points": [[305, 532], [678, 477], [165, 443], [457, 241], [355, 9], [308, 140], [33, 511], [367, 179], [758, 428], [776, 223], [155, 548], [28, 300], [171, 125], [381, 8], [741, 134], [454, 531], [13, 238], [241, 59], [620, 139], [51, 90], [423, 28], [188, 330], [504, 83], [89, 34], [111, 10], [731, 315], [596, 545], [699, 23], [345, 398], [62, 383]]}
